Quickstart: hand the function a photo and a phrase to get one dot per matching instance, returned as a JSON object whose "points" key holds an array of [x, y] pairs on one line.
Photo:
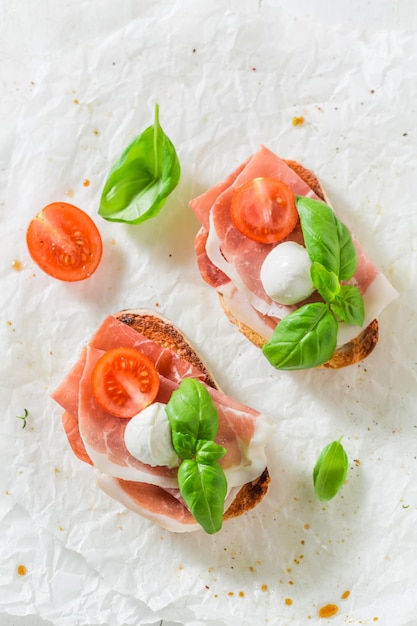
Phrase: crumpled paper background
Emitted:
{"points": [[79, 81]]}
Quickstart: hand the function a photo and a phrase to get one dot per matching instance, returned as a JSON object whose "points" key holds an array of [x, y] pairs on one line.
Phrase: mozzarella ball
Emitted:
{"points": [[285, 273], [148, 437]]}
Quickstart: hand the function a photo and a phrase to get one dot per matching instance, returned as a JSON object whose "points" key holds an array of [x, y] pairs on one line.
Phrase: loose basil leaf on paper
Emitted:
{"points": [[203, 487], [140, 181], [327, 239], [330, 471], [348, 305], [305, 338], [194, 424]]}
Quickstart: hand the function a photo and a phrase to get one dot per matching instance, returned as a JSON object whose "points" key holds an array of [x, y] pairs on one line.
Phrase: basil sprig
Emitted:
{"points": [[194, 423], [307, 337], [139, 183], [330, 471]]}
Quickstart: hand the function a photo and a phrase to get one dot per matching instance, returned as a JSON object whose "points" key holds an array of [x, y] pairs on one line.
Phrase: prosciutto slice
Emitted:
{"points": [[164, 507], [97, 437], [231, 263]]}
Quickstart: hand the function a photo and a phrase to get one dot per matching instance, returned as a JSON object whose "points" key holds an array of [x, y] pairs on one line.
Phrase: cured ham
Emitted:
{"points": [[164, 507], [231, 262], [97, 437]]}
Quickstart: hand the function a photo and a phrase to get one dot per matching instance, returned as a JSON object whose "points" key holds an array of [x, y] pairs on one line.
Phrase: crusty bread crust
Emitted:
{"points": [[352, 352], [308, 177], [357, 349], [249, 496], [165, 334]]}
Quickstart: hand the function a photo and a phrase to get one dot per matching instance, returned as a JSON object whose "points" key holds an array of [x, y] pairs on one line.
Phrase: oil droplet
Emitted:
{"points": [[241, 594], [288, 601], [96, 131], [375, 619], [76, 101], [298, 121], [264, 587], [70, 193], [345, 595], [230, 593], [21, 570], [86, 182], [328, 610], [17, 265]]}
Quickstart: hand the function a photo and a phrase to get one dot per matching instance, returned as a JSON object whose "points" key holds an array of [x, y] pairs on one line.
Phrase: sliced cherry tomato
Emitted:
{"points": [[124, 381], [264, 210], [64, 242]]}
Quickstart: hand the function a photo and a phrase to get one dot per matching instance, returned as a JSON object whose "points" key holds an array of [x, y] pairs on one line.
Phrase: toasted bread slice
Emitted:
{"points": [[165, 334], [352, 352]]}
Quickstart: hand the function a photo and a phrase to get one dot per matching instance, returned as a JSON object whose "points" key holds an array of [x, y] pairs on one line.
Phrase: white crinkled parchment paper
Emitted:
{"points": [[78, 82]]}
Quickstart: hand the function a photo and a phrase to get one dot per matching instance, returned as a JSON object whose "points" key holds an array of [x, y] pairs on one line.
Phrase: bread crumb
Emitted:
{"points": [[298, 120]]}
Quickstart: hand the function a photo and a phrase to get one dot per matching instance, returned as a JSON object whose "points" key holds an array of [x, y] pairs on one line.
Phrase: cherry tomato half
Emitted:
{"points": [[124, 381], [264, 210], [64, 242]]}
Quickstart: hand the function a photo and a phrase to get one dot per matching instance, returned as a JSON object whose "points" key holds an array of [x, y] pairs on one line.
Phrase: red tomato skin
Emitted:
{"points": [[264, 210], [124, 381], [64, 242]]}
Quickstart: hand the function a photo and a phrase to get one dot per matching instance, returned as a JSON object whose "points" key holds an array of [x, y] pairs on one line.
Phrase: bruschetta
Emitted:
{"points": [[288, 272], [132, 453]]}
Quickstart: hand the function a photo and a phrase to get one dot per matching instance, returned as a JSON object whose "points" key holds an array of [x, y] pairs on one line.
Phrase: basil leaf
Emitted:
{"points": [[304, 338], [209, 451], [194, 423], [349, 306], [185, 445], [203, 487], [141, 180], [330, 471], [325, 281], [327, 239], [191, 411]]}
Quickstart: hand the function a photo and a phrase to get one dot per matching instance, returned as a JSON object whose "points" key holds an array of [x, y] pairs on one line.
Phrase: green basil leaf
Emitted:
{"points": [[203, 487], [327, 239], [191, 411], [194, 424], [209, 451], [349, 306], [141, 180], [305, 338], [185, 445], [325, 281], [330, 471]]}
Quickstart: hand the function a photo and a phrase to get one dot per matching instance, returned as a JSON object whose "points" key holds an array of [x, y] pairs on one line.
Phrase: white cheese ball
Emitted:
{"points": [[148, 437], [285, 273]]}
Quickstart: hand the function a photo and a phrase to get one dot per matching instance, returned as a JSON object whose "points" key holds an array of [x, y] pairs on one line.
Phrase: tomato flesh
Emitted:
{"points": [[264, 210], [64, 242], [124, 381]]}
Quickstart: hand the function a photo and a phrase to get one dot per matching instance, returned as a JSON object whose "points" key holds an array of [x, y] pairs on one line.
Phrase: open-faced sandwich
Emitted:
{"points": [[141, 406], [288, 272]]}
